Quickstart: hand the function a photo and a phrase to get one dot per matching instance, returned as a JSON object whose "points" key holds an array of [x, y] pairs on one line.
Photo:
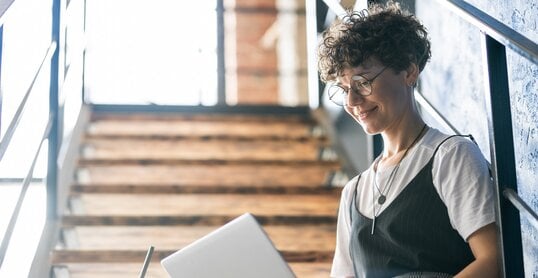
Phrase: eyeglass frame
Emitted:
{"points": [[346, 90]]}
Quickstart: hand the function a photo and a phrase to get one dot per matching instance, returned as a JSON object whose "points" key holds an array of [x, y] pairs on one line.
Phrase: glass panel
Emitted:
{"points": [[26, 40], [27, 37], [25, 43]]}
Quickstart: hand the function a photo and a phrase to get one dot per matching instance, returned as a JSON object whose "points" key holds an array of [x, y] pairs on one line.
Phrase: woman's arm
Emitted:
{"points": [[483, 243], [468, 192], [342, 265]]}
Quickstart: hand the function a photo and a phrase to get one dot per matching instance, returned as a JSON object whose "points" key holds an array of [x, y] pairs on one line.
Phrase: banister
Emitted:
{"points": [[20, 110], [4, 8], [432, 111], [25, 184], [494, 28], [521, 205]]}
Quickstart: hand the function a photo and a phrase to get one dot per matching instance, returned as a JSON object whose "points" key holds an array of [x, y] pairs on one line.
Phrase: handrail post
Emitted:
{"points": [[85, 21], [53, 139], [497, 97], [221, 68], [314, 94]]}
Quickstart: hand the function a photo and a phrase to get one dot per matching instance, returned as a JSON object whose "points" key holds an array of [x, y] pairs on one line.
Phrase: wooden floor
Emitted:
{"points": [[166, 181]]}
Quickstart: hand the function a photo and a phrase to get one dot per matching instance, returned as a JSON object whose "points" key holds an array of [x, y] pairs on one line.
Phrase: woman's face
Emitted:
{"points": [[389, 102]]}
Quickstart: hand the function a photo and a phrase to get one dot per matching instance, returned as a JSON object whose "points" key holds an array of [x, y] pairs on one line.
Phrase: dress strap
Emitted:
{"points": [[451, 136], [470, 136]]}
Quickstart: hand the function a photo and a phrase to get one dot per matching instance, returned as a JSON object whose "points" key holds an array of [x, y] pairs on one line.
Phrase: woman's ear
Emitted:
{"points": [[411, 75]]}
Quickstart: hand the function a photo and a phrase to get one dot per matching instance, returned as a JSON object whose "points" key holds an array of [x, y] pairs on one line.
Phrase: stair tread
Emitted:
{"points": [[123, 256], [203, 189], [201, 117], [200, 128], [209, 162], [169, 220], [206, 175], [155, 270], [199, 149], [285, 237], [206, 204]]}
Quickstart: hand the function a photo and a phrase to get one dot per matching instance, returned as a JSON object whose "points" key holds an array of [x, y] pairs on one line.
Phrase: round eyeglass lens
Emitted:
{"points": [[337, 95], [361, 85]]}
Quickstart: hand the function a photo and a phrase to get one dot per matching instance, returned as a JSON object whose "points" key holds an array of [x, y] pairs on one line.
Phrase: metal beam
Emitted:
{"points": [[497, 97], [494, 28]]}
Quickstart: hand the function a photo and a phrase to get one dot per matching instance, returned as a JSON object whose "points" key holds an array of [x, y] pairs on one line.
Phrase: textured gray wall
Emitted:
{"points": [[453, 82]]}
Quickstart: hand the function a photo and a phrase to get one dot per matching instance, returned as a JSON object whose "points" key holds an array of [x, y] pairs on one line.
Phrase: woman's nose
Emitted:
{"points": [[354, 99]]}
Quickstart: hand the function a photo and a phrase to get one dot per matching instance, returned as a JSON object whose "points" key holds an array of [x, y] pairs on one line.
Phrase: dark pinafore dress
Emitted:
{"points": [[413, 234]]}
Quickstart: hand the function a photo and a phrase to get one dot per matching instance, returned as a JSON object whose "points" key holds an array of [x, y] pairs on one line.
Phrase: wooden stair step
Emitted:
{"points": [[108, 270], [124, 256], [203, 117], [270, 129], [320, 139], [285, 237], [207, 175], [199, 149], [155, 270], [204, 204], [204, 189], [160, 220], [179, 161]]}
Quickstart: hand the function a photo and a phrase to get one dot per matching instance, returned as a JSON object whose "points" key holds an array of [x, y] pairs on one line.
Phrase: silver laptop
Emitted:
{"points": [[240, 248]]}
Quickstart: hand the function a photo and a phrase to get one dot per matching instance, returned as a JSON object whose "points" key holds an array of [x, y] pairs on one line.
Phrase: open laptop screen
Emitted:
{"points": [[240, 248]]}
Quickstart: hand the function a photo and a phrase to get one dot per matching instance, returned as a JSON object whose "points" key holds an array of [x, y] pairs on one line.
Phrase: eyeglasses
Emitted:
{"points": [[360, 85]]}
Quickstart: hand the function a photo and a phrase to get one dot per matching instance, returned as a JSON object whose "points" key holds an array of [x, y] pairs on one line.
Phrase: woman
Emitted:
{"points": [[425, 205]]}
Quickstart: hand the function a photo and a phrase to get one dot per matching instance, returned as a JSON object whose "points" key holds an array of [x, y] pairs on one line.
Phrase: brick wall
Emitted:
{"points": [[253, 46]]}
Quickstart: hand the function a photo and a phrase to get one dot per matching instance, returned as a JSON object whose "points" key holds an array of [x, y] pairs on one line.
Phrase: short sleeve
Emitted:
{"points": [[342, 265], [462, 179]]}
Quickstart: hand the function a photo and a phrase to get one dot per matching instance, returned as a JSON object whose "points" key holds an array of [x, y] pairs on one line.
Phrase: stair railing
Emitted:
{"points": [[51, 130], [509, 205]]}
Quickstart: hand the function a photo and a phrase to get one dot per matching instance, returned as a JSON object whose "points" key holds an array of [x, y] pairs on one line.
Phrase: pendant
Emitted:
{"points": [[381, 200], [373, 225]]}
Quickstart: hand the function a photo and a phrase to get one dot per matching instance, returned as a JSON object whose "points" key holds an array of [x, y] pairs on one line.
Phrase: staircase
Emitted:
{"points": [[167, 180]]}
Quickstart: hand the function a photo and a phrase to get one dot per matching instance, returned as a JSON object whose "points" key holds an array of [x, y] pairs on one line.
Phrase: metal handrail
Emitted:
{"points": [[48, 58], [26, 183], [4, 7], [514, 198], [432, 111], [495, 29], [20, 110]]}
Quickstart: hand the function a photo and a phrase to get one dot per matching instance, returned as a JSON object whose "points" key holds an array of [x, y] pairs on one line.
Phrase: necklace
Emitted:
{"points": [[383, 194]]}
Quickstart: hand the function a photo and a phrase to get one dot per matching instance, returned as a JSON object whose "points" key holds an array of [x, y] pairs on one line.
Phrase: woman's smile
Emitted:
{"points": [[362, 114], [365, 113]]}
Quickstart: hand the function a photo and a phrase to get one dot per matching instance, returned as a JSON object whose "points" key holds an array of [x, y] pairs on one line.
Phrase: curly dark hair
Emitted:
{"points": [[388, 33]]}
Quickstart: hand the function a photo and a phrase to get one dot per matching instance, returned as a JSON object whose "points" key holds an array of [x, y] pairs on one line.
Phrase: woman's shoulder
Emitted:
{"points": [[350, 185], [448, 148], [444, 143], [354, 184]]}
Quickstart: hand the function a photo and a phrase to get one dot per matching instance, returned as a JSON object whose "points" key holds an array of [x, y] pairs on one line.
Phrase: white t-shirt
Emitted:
{"points": [[460, 176]]}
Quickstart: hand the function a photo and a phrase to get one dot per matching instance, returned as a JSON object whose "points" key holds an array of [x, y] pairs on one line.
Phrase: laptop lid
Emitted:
{"points": [[240, 248]]}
